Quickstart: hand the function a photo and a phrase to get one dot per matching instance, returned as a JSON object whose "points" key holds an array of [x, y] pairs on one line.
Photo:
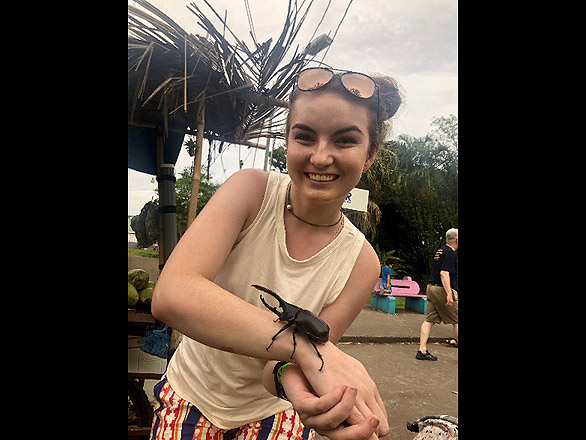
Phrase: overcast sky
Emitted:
{"points": [[413, 41]]}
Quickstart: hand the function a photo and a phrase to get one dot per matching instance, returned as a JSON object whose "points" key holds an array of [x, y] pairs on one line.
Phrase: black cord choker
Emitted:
{"points": [[290, 209]]}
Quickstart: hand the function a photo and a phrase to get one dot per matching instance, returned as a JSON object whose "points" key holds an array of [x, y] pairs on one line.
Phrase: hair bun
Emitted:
{"points": [[390, 97]]}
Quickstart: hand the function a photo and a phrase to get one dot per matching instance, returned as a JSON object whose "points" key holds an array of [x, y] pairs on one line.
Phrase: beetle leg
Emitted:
{"points": [[319, 354], [294, 342], [285, 327]]}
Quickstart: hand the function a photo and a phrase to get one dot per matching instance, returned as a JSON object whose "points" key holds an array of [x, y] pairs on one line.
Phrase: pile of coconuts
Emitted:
{"points": [[140, 290]]}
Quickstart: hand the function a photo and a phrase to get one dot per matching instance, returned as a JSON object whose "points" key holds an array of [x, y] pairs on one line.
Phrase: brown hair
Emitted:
{"points": [[390, 100]]}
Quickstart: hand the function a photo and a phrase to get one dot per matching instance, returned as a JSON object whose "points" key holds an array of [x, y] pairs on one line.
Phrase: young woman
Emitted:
{"points": [[286, 233]]}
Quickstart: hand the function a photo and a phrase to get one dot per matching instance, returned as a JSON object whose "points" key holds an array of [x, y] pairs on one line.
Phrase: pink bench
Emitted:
{"points": [[407, 288]]}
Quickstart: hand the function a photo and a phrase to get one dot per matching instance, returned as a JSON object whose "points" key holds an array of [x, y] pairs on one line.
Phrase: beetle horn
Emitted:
{"points": [[270, 292], [272, 309]]}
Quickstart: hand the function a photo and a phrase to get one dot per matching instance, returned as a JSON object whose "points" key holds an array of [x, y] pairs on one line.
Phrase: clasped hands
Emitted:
{"points": [[341, 401]]}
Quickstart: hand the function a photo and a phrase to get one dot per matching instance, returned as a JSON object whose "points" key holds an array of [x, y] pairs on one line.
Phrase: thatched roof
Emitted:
{"points": [[170, 71]]}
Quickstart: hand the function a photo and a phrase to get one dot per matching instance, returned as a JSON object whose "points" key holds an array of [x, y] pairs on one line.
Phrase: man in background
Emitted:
{"points": [[442, 294]]}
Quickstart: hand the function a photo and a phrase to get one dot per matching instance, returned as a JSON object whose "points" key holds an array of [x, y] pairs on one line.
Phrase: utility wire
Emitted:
{"points": [[250, 23], [336, 32]]}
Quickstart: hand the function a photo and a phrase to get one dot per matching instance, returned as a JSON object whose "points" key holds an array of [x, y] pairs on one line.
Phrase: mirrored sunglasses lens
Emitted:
{"points": [[358, 84], [313, 79]]}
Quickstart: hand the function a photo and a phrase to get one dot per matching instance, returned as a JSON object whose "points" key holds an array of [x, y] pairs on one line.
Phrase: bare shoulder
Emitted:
{"points": [[252, 175], [367, 261], [245, 188], [205, 245], [365, 272], [249, 180], [251, 185]]}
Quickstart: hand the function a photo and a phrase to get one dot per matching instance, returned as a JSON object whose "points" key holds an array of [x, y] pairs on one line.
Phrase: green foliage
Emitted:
{"points": [[446, 132], [183, 188], [183, 193], [378, 177], [419, 202], [143, 253], [367, 221], [400, 268], [279, 159], [190, 145]]}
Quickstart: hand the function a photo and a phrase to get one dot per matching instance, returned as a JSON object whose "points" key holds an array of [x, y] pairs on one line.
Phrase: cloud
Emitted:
{"points": [[403, 36]]}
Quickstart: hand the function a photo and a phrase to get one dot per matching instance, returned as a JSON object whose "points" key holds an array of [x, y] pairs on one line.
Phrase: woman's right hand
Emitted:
{"points": [[342, 369]]}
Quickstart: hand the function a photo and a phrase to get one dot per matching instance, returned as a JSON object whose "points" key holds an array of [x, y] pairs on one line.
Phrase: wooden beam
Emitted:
{"points": [[212, 137]]}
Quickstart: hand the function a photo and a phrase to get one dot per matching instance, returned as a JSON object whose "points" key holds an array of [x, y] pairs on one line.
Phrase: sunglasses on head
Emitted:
{"points": [[358, 84]]}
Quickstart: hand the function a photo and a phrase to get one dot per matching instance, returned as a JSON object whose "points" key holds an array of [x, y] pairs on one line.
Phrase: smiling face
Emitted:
{"points": [[327, 145]]}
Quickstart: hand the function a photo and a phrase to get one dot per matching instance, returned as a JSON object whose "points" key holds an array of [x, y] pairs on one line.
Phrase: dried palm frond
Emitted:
{"points": [[170, 71]]}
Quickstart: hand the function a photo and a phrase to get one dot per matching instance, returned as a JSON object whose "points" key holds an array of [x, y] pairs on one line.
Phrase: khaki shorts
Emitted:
{"points": [[436, 306]]}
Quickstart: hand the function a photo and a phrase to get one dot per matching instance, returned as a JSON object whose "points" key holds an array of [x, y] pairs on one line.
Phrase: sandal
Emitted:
{"points": [[452, 343]]}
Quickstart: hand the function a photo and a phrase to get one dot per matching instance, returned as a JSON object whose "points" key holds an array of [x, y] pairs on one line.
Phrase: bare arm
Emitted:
{"points": [[344, 310], [445, 277]]}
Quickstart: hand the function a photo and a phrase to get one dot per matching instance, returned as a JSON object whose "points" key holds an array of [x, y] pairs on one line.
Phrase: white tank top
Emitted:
{"points": [[226, 387]]}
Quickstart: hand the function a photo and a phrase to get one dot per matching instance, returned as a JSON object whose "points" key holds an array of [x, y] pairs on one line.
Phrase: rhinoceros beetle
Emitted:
{"points": [[314, 327]]}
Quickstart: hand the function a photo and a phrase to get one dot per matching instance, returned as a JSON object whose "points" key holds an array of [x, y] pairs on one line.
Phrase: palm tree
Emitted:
{"points": [[376, 180], [366, 221]]}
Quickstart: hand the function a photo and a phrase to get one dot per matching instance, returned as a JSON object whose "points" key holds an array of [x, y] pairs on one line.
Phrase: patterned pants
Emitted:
{"points": [[177, 419]]}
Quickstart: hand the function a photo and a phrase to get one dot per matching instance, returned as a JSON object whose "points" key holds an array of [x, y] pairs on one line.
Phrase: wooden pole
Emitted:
{"points": [[196, 177], [167, 226], [160, 145], [185, 74], [167, 209]]}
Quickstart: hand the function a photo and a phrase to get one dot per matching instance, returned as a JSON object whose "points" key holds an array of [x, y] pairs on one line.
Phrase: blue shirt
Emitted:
{"points": [[445, 258], [386, 271]]}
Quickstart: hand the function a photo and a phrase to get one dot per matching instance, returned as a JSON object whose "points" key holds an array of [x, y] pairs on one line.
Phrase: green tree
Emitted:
{"points": [[279, 159], [375, 180], [183, 193], [400, 268], [422, 201], [446, 133]]}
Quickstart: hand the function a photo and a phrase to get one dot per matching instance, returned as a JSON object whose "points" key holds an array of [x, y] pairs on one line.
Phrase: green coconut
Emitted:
{"points": [[145, 297], [139, 278], [132, 295]]}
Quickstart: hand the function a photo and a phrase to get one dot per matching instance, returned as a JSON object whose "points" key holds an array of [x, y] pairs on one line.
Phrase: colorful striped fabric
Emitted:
{"points": [[177, 419]]}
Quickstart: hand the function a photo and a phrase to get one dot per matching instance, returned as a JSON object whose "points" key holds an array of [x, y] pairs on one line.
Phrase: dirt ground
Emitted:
{"points": [[410, 388]]}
